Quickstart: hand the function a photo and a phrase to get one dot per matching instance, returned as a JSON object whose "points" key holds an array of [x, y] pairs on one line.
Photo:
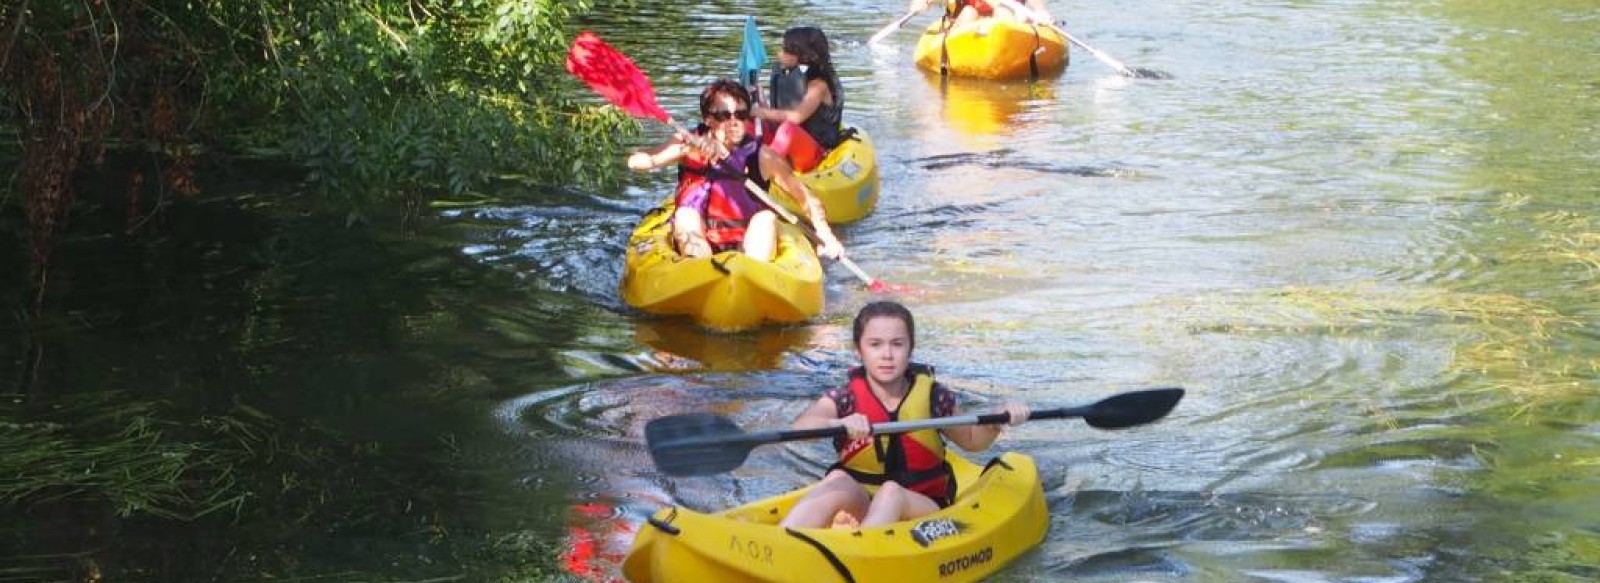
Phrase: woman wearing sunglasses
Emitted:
{"points": [[716, 212], [807, 100]]}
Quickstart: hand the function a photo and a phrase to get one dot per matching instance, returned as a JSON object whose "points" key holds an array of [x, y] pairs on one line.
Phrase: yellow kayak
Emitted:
{"points": [[725, 292], [846, 181], [999, 513], [995, 47]]}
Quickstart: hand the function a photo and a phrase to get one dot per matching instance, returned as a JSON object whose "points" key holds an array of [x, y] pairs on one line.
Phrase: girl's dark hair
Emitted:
{"points": [[810, 47], [727, 86], [882, 310]]}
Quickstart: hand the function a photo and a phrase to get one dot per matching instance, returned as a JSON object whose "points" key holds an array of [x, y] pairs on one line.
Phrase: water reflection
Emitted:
{"points": [[590, 434], [597, 539], [980, 107], [679, 344]]}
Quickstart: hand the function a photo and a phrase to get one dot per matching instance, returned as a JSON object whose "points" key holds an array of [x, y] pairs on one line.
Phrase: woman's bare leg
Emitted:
{"points": [[689, 233], [761, 236]]}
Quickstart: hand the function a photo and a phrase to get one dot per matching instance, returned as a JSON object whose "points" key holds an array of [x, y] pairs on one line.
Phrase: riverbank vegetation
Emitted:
{"points": [[381, 102], [119, 114]]}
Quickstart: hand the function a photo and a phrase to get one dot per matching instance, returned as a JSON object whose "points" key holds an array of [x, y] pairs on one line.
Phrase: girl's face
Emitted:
{"points": [[787, 59], [885, 349], [726, 118]]}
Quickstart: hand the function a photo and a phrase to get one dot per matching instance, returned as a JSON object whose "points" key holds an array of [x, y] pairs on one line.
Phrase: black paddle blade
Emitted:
{"points": [[697, 444], [1133, 408]]}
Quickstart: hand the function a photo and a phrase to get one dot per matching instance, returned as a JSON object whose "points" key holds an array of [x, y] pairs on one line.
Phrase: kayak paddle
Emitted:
{"points": [[614, 76], [752, 58], [893, 26], [702, 444]]}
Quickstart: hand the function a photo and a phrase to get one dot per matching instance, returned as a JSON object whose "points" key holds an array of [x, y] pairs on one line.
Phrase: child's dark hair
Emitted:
{"points": [[727, 86], [810, 47], [882, 310]]}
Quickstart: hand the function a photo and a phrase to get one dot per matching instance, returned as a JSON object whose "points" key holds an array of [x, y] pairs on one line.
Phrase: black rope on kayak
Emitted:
{"points": [[1033, 57], [666, 525], [995, 462], [826, 554], [946, 23], [721, 266]]}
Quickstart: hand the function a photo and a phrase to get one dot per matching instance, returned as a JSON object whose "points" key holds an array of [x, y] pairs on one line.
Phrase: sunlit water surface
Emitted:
{"points": [[1361, 234], [1296, 228]]}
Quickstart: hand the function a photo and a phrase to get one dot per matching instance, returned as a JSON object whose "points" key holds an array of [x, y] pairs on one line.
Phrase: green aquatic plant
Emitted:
{"points": [[128, 457]]}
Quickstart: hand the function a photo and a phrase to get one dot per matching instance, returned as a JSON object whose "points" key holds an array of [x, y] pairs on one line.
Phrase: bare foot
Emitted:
{"points": [[844, 519]]}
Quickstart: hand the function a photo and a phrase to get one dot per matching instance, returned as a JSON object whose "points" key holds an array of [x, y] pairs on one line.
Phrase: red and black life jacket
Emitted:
{"points": [[915, 460]]}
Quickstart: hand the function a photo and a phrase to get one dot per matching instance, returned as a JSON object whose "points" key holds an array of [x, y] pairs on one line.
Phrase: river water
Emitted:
{"points": [[1361, 234]]}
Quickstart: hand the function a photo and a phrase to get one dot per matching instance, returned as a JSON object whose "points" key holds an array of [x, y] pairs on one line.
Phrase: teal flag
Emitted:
{"points": [[752, 54]]}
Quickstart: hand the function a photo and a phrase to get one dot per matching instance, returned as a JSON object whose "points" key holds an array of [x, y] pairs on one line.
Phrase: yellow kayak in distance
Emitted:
{"points": [[726, 292], [999, 513], [995, 47], [846, 181]]}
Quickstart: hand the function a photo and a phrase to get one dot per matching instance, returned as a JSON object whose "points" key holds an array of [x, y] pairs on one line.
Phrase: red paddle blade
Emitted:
{"points": [[879, 286], [610, 73]]}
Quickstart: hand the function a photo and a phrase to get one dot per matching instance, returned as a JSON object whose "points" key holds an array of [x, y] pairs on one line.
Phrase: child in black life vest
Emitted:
{"points": [[807, 102]]}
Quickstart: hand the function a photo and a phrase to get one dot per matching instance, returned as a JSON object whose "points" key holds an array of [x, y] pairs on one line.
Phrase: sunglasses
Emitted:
{"points": [[725, 115]]}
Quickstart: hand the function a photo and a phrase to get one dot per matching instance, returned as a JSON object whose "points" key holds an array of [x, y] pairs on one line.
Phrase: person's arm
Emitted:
{"points": [[831, 246], [979, 437], [670, 154], [824, 413], [816, 91]]}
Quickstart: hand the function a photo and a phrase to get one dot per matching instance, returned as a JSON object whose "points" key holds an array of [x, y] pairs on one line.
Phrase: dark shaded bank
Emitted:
{"points": [[242, 388]]}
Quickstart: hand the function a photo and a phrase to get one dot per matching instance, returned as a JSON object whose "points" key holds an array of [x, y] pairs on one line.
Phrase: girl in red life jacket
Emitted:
{"points": [[909, 468], [715, 211], [807, 103]]}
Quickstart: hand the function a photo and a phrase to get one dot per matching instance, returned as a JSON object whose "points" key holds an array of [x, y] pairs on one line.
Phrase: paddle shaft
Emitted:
{"points": [[810, 233], [909, 426], [1029, 14], [893, 26]]}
